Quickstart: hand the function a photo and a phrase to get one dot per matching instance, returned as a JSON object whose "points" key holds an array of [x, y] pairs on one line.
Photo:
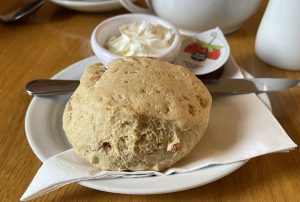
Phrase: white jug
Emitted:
{"points": [[278, 37]]}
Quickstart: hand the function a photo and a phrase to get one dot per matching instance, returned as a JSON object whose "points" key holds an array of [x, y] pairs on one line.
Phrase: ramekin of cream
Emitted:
{"points": [[135, 35]]}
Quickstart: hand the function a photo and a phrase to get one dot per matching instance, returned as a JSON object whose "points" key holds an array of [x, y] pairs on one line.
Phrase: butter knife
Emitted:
{"points": [[47, 87]]}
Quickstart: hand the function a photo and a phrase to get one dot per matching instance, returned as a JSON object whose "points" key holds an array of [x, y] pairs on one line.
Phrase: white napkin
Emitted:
{"points": [[241, 127]]}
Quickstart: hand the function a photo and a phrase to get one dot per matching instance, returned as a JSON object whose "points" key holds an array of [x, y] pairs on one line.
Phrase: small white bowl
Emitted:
{"points": [[110, 27]]}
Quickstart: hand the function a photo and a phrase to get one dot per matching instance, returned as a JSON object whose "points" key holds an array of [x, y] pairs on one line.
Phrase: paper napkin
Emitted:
{"points": [[241, 127]]}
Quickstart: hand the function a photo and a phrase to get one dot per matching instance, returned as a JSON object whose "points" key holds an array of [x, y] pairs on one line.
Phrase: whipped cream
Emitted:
{"points": [[141, 39]]}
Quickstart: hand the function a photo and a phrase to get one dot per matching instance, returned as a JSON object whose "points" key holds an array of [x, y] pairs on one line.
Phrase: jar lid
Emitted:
{"points": [[205, 52]]}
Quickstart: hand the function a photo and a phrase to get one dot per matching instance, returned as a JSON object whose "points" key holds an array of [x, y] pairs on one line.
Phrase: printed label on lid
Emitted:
{"points": [[205, 52]]}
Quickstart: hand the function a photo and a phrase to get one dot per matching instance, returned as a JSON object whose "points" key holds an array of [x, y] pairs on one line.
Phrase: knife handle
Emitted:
{"points": [[47, 87]]}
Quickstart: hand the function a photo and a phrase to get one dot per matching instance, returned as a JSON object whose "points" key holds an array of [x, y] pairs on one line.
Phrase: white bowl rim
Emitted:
{"points": [[176, 41]]}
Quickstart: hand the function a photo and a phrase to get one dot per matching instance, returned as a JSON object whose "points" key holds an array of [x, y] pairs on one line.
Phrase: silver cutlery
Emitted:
{"points": [[49, 87], [21, 10]]}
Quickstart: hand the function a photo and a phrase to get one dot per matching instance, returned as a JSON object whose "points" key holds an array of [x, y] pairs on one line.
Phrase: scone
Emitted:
{"points": [[140, 114]]}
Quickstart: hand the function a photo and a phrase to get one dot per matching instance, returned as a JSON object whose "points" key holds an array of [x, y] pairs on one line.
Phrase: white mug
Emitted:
{"points": [[278, 38], [194, 16]]}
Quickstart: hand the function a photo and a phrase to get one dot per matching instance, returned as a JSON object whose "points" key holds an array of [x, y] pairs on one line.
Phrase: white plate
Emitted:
{"points": [[89, 6], [43, 125]]}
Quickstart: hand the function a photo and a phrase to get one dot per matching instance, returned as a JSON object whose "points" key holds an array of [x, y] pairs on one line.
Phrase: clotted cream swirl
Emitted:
{"points": [[141, 39]]}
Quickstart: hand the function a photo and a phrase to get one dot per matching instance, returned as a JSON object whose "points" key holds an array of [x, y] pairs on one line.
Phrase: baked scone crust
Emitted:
{"points": [[139, 114]]}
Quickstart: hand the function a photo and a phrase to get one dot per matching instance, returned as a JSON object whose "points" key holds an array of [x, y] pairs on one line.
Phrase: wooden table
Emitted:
{"points": [[53, 38]]}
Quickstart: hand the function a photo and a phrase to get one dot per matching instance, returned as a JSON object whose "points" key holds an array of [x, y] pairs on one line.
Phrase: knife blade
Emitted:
{"points": [[256, 85], [47, 87]]}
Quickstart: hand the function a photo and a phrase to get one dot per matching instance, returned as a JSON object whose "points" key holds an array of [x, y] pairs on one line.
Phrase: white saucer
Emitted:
{"points": [[89, 6], [43, 125]]}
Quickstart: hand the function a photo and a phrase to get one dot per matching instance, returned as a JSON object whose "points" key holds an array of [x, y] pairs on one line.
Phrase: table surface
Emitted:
{"points": [[53, 37]]}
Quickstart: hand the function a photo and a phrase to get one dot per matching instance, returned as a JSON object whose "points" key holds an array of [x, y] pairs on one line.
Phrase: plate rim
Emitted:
{"points": [[92, 7], [85, 3]]}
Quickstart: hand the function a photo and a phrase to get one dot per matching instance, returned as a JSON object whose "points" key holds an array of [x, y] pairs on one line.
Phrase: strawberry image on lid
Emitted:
{"points": [[200, 50], [205, 52]]}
